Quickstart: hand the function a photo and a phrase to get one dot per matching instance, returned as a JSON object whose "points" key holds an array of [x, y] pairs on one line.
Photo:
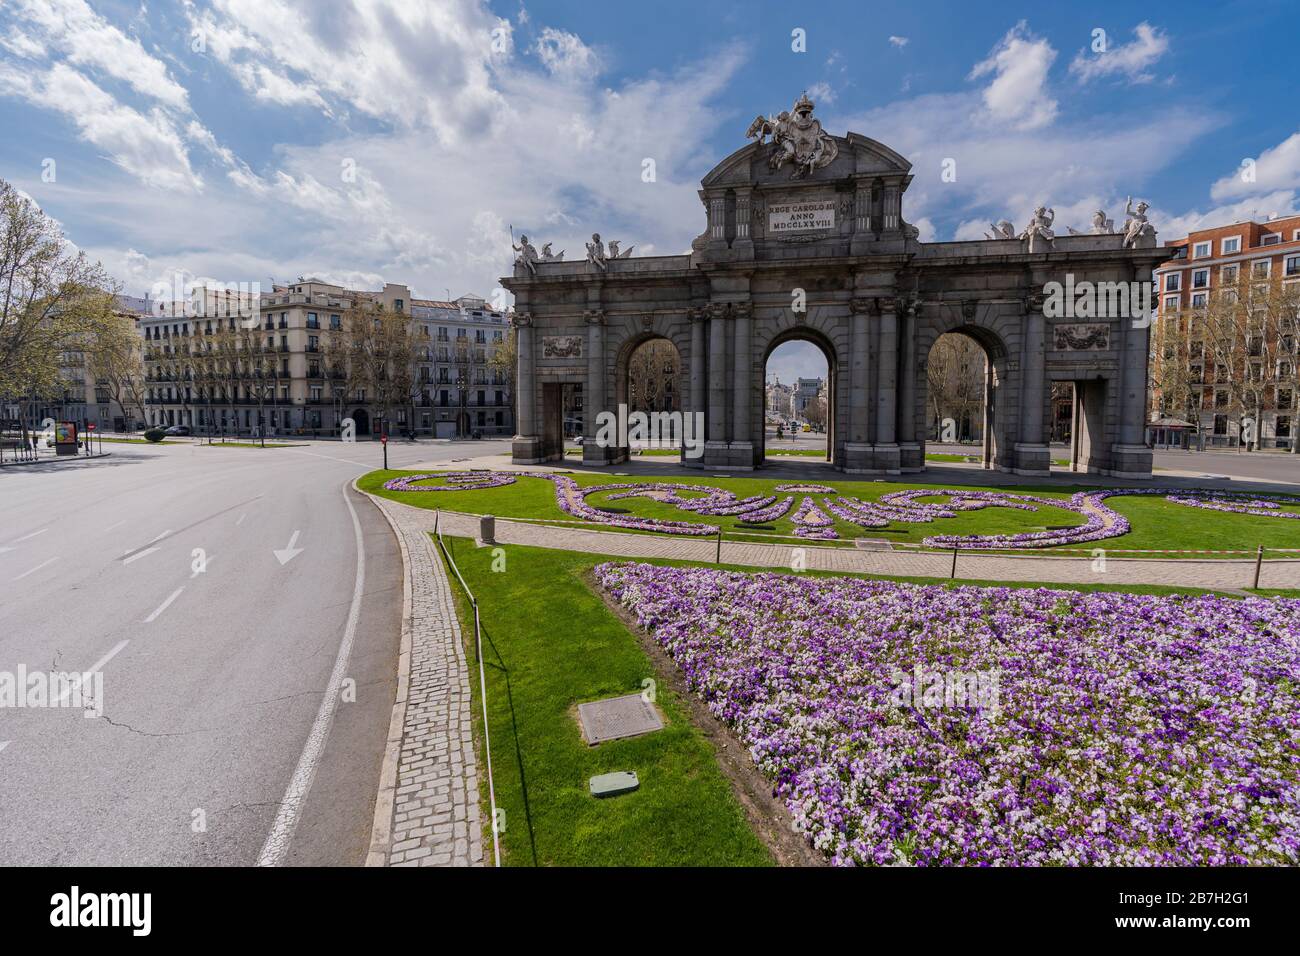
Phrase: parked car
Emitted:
{"points": [[177, 430]]}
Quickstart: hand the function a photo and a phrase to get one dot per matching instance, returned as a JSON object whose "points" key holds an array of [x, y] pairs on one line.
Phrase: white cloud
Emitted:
{"points": [[1017, 94], [899, 42], [1276, 168], [1130, 59], [565, 55], [90, 41], [20, 44], [146, 145], [822, 94]]}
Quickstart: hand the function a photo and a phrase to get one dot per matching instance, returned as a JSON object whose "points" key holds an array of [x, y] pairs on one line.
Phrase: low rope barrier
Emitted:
{"points": [[755, 537], [482, 683]]}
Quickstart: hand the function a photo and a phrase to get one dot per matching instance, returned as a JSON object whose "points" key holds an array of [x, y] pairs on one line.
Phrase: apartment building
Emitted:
{"points": [[462, 390], [81, 398], [293, 391], [1224, 346]]}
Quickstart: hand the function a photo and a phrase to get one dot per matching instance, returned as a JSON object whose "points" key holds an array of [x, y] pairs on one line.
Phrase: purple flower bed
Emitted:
{"points": [[1245, 503], [454, 481], [770, 513], [1125, 730], [811, 522]]}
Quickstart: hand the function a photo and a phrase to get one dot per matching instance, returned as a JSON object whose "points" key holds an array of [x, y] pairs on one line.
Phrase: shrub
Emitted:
{"points": [[155, 434]]}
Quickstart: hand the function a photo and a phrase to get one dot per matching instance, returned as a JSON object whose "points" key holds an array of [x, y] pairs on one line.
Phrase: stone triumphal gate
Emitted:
{"points": [[805, 239]]}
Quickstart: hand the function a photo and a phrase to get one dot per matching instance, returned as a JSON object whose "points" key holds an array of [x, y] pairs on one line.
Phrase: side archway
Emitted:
{"points": [[803, 333]]}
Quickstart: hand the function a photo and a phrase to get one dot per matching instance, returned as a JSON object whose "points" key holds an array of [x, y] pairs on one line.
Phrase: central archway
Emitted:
{"points": [[650, 378], [963, 374], [812, 401]]}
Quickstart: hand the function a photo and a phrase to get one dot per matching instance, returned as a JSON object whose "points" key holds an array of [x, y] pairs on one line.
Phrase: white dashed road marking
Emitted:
{"points": [[94, 669], [138, 555], [165, 604], [32, 535], [43, 564]]}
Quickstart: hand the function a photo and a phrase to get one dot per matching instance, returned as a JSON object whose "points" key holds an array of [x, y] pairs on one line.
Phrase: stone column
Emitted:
{"points": [[886, 448], [526, 447], [593, 400], [1130, 457], [910, 452], [857, 450], [698, 409], [715, 448], [742, 445], [1032, 456]]}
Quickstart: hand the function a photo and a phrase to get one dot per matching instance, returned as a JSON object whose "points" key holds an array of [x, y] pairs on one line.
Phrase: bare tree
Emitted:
{"points": [[955, 373], [115, 359], [654, 377]]}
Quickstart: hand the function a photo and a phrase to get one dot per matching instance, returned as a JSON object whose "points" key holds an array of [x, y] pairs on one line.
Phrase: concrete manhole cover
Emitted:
{"points": [[618, 717]]}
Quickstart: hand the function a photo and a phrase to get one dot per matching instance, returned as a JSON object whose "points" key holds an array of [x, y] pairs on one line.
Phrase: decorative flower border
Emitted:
{"points": [[811, 521]]}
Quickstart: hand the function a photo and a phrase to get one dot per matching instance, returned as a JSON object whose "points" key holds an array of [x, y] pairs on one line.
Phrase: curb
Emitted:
{"points": [[382, 828]]}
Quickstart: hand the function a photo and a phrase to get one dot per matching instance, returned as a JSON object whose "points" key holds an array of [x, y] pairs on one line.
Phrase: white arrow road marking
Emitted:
{"points": [[32, 535], [138, 555], [285, 555], [43, 564], [165, 604], [94, 669], [286, 820]]}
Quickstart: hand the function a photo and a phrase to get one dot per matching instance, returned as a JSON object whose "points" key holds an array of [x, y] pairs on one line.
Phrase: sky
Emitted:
{"points": [[364, 141]]}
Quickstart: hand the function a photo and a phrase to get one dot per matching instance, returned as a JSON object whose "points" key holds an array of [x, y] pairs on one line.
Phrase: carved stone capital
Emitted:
{"points": [[862, 305], [594, 316], [718, 310], [521, 319], [1035, 302], [887, 303], [740, 310]]}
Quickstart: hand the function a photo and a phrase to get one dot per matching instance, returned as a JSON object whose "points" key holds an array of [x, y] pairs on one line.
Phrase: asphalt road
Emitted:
{"points": [[215, 730]]}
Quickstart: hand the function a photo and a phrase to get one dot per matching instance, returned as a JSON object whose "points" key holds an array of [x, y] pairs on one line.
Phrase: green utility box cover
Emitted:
{"points": [[612, 784]]}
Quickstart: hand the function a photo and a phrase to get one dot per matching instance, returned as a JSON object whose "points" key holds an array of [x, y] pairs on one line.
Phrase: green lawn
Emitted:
{"points": [[975, 457], [549, 644], [1156, 523]]}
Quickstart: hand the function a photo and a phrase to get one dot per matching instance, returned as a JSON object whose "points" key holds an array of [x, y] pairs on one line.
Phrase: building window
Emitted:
{"points": [[1171, 303], [1283, 427], [1201, 279], [1261, 268], [336, 322], [1201, 250], [1228, 275], [1292, 266], [1270, 239], [1173, 281], [1230, 245], [1198, 300]]}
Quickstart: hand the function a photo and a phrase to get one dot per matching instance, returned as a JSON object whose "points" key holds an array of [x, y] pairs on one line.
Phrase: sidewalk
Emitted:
{"points": [[427, 810]]}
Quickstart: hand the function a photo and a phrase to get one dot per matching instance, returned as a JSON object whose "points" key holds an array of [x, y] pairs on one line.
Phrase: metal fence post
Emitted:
{"points": [[718, 557], [1259, 560], [953, 573]]}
